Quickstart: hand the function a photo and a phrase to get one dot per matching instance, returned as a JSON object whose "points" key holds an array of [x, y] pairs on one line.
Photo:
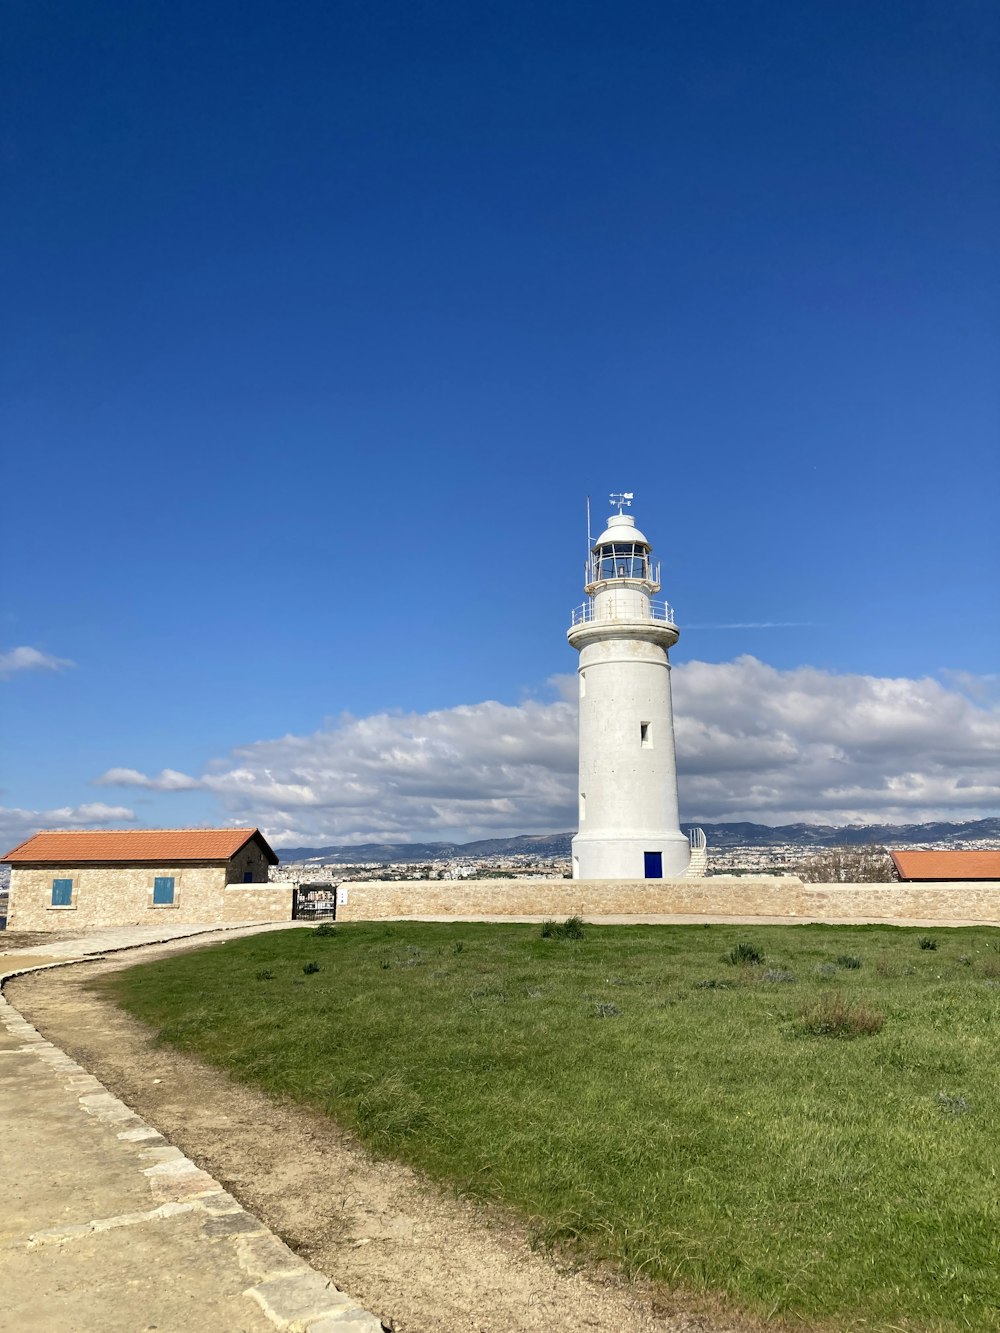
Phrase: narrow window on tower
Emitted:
{"points": [[583, 806], [583, 684], [645, 739]]}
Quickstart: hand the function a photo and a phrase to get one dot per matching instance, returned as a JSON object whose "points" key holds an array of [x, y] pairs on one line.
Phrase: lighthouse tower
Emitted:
{"points": [[629, 825]]}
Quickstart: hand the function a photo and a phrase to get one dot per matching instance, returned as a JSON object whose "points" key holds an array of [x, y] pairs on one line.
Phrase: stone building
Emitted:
{"points": [[134, 877]]}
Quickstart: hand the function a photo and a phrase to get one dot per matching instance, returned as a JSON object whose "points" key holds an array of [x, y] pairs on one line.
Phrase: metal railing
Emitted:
{"points": [[625, 611]]}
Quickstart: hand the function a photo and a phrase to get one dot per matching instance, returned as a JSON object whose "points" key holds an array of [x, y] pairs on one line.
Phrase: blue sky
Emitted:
{"points": [[323, 320]]}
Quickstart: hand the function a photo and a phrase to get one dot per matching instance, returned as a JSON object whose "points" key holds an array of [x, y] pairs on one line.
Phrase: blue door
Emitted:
{"points": [[654, 865]]}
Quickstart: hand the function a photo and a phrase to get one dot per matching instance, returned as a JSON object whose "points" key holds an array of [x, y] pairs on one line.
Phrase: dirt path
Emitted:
{"points": [[423, 1259]]}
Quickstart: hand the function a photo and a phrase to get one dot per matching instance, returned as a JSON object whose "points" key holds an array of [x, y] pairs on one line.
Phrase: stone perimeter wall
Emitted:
{"points": [[715, 896], [123, 896]]}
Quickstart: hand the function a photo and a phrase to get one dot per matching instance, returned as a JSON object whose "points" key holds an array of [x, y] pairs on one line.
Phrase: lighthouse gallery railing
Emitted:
{"points": [[630, 610]]}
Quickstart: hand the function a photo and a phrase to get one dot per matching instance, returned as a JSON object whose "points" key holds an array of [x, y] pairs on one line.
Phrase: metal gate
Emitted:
{"points": [[314, 902]]}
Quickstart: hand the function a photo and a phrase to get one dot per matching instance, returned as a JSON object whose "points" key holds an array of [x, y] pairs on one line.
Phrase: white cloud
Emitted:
{"points": [[30, 659], [168, 779], [984, 688], [460, 772], [781, 746], [754, 743], [16, 825]]}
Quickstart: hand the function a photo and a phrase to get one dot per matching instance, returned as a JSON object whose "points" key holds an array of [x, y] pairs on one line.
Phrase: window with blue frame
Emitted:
{"points": [[62, 893], [163, 890]]}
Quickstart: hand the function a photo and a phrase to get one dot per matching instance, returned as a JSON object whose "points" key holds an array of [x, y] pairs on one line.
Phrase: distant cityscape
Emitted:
{"points": [[733, 849]]}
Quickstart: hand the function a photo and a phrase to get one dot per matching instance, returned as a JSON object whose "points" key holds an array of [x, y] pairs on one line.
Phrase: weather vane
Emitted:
{"points": [[622, 498]]}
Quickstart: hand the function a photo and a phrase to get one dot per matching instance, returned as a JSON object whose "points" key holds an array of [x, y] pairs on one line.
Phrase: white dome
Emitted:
{"points": [[621, 528]]}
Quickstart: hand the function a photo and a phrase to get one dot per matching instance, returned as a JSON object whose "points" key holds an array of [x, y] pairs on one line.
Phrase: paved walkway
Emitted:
{"points": [[108, 1228], [91, 943]]}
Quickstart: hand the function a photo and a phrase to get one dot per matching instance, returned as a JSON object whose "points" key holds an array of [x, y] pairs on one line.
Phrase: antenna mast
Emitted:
{"points": [[590, 542]]}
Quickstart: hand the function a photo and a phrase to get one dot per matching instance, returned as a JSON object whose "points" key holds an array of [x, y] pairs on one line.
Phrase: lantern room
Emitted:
{"points": [[621, 552]]}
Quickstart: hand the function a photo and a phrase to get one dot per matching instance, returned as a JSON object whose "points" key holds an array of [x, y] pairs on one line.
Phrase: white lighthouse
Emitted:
{"points": [[629, 825]]}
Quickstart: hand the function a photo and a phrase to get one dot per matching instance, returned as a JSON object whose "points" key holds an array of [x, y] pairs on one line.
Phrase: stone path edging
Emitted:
{"points": [[295, 1297]]}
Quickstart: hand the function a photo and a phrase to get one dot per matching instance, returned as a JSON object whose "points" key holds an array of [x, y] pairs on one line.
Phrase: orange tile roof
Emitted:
{"points": [[947, 865], [171, 845]]}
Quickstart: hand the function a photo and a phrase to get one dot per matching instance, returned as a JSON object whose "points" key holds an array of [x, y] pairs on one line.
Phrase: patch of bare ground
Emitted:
{"points": [[426, 1261]]}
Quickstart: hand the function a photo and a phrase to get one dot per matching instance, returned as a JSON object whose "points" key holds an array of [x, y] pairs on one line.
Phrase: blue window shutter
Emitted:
{"points": [[62, 893], [163, 890]]}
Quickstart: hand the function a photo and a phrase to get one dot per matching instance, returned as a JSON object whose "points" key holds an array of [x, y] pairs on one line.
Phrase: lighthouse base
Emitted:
{"points": [[663, 857]]}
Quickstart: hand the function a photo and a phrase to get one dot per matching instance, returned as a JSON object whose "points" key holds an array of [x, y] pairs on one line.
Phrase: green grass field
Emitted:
{"points": [[635, 1095]]}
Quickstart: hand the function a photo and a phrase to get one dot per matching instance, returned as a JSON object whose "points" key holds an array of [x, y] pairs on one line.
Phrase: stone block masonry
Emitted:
{"points": [[763, 896], [123, 896]]}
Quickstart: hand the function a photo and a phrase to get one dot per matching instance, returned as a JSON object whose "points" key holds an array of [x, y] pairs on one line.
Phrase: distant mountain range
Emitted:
{"points": [[718, 835], [829, 835], [526, 844]]}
